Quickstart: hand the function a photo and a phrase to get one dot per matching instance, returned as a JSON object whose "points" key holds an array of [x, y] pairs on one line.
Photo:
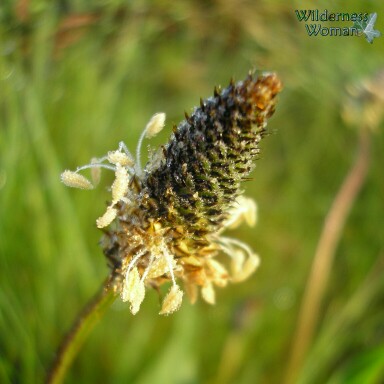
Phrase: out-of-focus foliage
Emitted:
{"points": [[76, 78]]}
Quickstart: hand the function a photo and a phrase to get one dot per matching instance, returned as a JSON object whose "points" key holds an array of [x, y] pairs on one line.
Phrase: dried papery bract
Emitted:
{"points": [[168, 217], [208, 293]]}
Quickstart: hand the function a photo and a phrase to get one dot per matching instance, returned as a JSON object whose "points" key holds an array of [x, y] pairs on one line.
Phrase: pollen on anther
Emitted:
{"points": [[107, 218], [75, 180], [244, 269], [117, 157], [155, 125], [133, 290], [172, 301], [121, 184]]}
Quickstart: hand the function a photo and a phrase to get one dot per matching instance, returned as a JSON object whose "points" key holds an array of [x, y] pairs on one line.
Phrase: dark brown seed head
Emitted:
{"points": [[209, 154]]}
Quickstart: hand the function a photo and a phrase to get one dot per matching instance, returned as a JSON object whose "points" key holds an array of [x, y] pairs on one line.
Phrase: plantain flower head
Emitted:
{"points": [[165, 221]]}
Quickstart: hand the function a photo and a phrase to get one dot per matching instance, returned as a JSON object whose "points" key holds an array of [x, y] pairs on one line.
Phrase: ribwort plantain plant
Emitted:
{"points": [[165, 221]]}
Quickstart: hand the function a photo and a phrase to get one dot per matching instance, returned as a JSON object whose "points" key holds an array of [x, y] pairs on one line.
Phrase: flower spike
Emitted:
{"points": [[168, 217]]}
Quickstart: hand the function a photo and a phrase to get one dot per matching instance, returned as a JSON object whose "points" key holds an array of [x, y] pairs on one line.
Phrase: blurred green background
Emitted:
{"points": [[76, 77]]}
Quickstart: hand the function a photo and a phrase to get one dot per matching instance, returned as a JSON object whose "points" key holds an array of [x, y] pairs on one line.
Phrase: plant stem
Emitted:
{"points": [[324, 255], [82, 326]]}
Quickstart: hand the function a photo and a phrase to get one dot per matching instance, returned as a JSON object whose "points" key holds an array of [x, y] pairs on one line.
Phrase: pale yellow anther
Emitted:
{"points": [[133, 290], [250, 265], [208, 293], [107, 218], [172, 301], [121, 184], [155, 125], [245, 209], [117, 157], [237, 264], [250, 213], [75, 180]]}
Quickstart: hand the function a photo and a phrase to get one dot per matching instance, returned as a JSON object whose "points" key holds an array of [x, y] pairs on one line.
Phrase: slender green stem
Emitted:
{"points": [[324, 255], [82, 326]]}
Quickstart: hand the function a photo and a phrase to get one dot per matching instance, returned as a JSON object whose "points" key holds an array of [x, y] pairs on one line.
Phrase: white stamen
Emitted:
{"points": [[95, 171], [169, 259], [107, 218], [123, 147], [248, 268], [238, 259], [133, 262], [245, 209], [172, 301], [133, 290], [250, 215], [96, 165], [121, 184], [241, 268], [228, 241], [75, 180], [154, 126], [148, 268], [208, 293], [115, 157]]}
